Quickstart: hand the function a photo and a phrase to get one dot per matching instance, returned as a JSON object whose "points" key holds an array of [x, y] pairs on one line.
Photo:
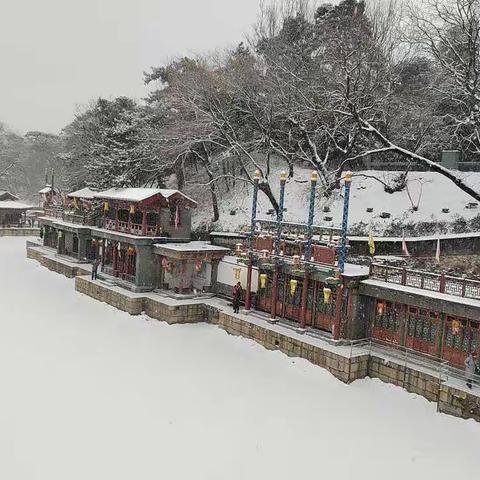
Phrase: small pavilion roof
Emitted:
{"points": [[86, 193], [46, 189], [141, 194]]}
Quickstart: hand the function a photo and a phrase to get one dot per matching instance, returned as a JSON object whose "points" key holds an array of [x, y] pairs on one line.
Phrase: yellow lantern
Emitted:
{"points": [[456, 327], [106, 207], [132, 209], [293, 286], [380, 308], [75, 203], [237, 271], [327, 295], [263, 280], [130, 251]]}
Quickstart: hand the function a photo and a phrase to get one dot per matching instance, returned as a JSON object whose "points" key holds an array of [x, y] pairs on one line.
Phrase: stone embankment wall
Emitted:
{"points": [[19, 232], [54, 264]]}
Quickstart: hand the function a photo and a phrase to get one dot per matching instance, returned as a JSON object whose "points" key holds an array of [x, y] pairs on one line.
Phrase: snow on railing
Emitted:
{"points": [[434, 282]]}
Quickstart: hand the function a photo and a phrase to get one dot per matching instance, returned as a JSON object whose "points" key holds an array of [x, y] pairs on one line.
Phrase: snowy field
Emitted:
{"points": [[88, 392], [430, 191]]}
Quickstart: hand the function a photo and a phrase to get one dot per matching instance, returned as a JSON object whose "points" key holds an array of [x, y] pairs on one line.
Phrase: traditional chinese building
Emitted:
{"points": [[141, 236], [12, 210]]}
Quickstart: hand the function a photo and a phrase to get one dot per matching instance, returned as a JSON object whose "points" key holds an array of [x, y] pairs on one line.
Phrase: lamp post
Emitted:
{"points": [[308, 248], [343, 240], [248, 292], [278, 237]]}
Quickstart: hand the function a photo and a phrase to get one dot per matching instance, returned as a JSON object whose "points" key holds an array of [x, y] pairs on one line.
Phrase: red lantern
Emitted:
{"points": [[380, 308]]}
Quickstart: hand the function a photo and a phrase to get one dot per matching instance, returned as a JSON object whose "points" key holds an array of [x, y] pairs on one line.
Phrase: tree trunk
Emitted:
{"points": [[266, 189]]}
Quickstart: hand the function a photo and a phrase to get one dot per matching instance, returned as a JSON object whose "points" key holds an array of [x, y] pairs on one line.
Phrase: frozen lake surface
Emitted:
{"points": [[88, 392]]}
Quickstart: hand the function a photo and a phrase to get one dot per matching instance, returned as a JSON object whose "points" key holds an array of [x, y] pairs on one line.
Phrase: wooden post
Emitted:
{"points": [[144, 223], [338, 313], [404, 276], [273, 305], [442, 282], [114, 257], [116, 218], [303, 311]]}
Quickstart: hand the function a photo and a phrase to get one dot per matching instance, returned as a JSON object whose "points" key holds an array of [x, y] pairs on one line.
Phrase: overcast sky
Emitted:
{"points": [[57, 54]]}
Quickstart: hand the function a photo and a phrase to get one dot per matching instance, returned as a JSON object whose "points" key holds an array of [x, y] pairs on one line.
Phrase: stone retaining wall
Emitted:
{"points": [[448, 398], [137, 304], [19, 232], [131, 305], [55, 265], [345, 369]]}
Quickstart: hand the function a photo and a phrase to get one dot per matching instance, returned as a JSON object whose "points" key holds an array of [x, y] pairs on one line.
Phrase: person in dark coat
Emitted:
{"points": [[237, 295], [95, 265], [470, 368]]}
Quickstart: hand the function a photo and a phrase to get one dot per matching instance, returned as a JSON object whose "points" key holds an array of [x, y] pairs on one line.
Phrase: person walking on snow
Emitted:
{"points": [[470, 367], [95, 265], [237, 294]]}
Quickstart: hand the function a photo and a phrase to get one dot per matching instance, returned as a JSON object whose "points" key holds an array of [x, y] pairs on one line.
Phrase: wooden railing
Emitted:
{"points": [[435, 282]]}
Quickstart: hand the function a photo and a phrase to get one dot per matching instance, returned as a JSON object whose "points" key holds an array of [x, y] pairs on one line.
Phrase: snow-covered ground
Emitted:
{"points": [[89, 392], [430, 191]]}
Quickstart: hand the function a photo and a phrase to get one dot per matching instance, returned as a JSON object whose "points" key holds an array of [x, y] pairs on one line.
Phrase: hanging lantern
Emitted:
{"points": [[132, 209], [327, 296], [263, 280], [237, 271], [106, 207], [265, 253], [94, 242], [119, 246], [380, 308], [75, 203], [238, 248], [456, 326], [130, 251], [293, 286], [198, 266], [60, 234], [296, 260], [166, 265]]}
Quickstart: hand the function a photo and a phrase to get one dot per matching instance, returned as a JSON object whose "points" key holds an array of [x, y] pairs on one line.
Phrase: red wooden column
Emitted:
{"points": [[273, 304], [114, 256], [338, 313], [144, 222], [116, 218], [248, 290], [303, 311]]}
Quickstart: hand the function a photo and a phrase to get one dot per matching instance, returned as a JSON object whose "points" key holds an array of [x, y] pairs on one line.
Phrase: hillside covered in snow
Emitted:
{"points": [[429, 191]]}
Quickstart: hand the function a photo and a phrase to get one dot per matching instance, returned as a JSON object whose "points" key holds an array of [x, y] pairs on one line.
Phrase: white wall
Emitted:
{"points": [[226, 273]]}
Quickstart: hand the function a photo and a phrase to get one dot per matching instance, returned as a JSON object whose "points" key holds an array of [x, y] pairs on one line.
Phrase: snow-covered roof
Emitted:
{"points": [[46, 189], [86, 193], [195, 246], [139, 194], [4, 194], [13, 205]]}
